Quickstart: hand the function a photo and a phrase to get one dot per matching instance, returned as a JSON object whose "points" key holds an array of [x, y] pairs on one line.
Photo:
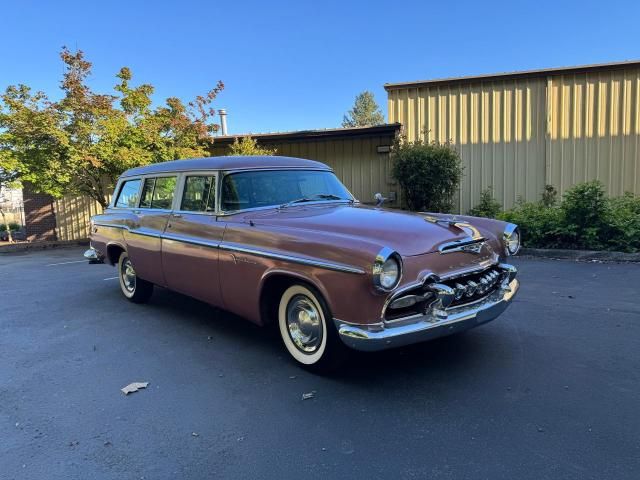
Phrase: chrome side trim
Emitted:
{"points": [[190, 240], [290, 258], [144, 233], [338, 267], [112, 225]]}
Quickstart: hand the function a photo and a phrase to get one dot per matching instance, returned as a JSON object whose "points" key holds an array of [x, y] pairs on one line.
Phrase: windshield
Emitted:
{"points": [[265, 188]]}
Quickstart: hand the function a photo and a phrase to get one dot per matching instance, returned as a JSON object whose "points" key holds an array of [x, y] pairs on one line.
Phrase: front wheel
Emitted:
{"points": [[133, 287], [305, 328]]}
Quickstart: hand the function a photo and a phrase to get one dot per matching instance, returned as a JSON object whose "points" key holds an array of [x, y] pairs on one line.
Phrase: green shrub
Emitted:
{"points": [[622, 231], [488, 207], [585, 219], [428, 172], [585, 209], [12, 225], [541, 227]]}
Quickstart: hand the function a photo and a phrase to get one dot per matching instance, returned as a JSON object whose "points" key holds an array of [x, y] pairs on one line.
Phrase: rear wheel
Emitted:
{"points": [[133, 287], [307, 331]]}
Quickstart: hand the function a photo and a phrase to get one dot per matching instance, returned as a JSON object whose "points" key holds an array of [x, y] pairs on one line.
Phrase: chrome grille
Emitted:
{"points": [[475, 286]]}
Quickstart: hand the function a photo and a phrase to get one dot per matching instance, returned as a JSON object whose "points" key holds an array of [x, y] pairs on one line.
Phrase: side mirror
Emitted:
{"points": [[379, 199]]}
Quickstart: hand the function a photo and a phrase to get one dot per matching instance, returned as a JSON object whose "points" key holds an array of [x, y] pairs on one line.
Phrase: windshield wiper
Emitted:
{"points": [[311, 198]]}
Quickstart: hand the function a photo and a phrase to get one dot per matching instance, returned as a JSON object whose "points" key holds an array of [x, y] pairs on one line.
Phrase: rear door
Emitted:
{"points": [[191, 238], [144, 238]]}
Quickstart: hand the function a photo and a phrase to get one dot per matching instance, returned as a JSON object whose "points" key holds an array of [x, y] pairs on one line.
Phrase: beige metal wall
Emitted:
{"points": [[355, 160], [594, 130], [73, 215], [516, 134], [497, 127]]}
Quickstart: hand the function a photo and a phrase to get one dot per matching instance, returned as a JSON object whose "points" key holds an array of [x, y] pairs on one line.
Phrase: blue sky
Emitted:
{"points": [[299, 64]]}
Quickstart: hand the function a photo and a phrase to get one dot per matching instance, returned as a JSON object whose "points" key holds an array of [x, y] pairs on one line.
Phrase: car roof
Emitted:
{"points": [[226, 163]]}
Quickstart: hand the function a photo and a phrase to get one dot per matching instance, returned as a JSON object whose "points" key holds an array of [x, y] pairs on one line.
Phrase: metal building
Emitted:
{"points": [[519, 131]]}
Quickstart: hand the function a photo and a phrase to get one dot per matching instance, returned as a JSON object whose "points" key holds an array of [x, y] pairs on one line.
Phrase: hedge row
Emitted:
{"points": [[585, 218]]}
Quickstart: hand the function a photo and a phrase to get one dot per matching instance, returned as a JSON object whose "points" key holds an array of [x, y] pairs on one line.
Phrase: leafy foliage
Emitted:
{"points": [[428, 172], [81, 143], [249, 146], [585, 219], [488, 207], [365, 112]]}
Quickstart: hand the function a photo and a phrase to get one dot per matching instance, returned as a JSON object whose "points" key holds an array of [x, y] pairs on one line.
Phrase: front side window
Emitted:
{"points": [[277, 187], [128, 196], [199, 194]]}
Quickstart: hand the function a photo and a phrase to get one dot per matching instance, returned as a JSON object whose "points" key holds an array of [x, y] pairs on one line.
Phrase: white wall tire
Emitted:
{"points": [[304, 321], [132, 287]]}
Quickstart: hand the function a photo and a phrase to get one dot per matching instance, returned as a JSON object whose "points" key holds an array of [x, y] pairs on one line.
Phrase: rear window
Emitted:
{"points": [[128, 196]]}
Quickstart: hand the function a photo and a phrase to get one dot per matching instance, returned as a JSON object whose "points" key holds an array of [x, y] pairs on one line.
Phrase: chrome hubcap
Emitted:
{"points": [[304, 324], [128, 276]]}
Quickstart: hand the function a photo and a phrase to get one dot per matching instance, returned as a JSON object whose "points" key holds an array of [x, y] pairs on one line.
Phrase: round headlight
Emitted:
{"points": [[387, 270], [512, 239], [389, 274]]}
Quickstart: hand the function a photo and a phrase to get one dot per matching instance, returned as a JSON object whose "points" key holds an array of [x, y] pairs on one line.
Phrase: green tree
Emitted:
{"points": [[81, 143], [428, 172], [365, 112], [249, 146]]}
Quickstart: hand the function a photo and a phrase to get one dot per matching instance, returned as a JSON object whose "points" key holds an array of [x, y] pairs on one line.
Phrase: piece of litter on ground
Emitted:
{"points": [[307, 396], [194, 434], [134, 387], [292, 376], [107, 443]]}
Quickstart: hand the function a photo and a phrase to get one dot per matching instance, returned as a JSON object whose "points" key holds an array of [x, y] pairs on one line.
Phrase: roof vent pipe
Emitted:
{"points": [[223, 121]]}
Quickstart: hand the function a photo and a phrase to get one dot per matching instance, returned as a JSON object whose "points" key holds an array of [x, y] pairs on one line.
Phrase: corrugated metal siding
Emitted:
{"points": [[497, 127], [355, 160], [73, 215], [594, 130], [517, 134]]}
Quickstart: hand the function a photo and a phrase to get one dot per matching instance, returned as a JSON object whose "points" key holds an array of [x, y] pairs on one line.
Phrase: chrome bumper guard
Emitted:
{"points": [[435, 323], [93, 256]]}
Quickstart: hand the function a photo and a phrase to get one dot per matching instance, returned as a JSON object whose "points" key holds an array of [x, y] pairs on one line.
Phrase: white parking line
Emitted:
{"points": [[110, 278], [65, 263]]}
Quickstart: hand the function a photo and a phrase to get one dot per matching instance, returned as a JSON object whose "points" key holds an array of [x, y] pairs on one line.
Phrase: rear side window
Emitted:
{"points": [[128, 196], [163, 191], [158, 192], [199, 194]]}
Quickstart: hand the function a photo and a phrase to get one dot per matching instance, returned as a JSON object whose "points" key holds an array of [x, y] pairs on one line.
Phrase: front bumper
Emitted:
{"points": [[93, 256], [428, 326]]}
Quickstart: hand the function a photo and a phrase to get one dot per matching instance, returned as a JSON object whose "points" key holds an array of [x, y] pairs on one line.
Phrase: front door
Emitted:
{"points": [[191, 238]]}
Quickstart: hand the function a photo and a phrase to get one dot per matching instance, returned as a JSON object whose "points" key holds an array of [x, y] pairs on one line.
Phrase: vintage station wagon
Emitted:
{"points": [[281, 241]]}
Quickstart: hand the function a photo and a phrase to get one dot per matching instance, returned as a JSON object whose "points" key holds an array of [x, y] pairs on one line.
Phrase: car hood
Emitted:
{"points": [[407, 233]]}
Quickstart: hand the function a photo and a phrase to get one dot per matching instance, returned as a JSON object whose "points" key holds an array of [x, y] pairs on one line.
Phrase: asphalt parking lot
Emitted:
{"points": [[549, 390]]}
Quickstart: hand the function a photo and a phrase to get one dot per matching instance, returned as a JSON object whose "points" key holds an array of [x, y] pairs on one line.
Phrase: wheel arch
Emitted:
{"points": [[114, 250], [274, 283]]}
